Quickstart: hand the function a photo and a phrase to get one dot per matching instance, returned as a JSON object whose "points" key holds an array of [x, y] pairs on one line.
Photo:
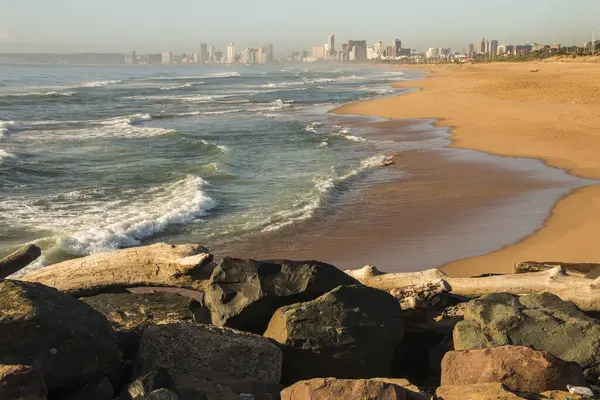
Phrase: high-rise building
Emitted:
{"points": [[493, 48], [390, 52], [266, 54], [167, 57], [397, 43], [211, 54], [358, 52], [331, 46], [433, 52], [249, 56], [231, 53], [348, 47], [480, 46], [203, 56], [470, 50], [218, 57], [318, 52], [379, 48]]}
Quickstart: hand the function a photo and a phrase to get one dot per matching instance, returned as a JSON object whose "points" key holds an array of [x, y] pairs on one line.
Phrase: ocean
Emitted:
{"points": [[100, 158]]}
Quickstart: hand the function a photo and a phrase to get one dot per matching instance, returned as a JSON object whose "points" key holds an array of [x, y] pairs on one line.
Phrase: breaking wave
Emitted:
{"points": [[305, 208]]}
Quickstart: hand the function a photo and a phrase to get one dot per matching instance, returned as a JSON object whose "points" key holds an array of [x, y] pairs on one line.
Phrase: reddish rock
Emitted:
{"points": [[521, 369], [346, 389], [482, 391]]}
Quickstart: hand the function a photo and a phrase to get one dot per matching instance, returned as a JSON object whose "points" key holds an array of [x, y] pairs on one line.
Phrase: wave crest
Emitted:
{"points": [[179, 203]]}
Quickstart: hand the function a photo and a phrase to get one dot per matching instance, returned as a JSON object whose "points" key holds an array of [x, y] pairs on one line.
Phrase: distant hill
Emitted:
{"points": [[80, 58]]}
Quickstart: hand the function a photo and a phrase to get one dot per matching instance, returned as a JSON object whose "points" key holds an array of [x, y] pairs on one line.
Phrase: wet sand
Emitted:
{"points": [[507, 109], [439, 205]]}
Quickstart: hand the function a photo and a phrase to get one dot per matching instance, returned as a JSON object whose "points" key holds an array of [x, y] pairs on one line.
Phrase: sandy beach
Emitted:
{"points": [[543, 110]]}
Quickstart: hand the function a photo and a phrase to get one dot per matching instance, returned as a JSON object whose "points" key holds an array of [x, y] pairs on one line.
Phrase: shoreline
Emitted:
{"points": [[436, 207], [556, 239]]}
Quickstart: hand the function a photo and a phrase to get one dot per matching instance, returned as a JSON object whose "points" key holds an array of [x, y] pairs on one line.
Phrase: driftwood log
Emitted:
{"points": [[158, 265], [18, 260], [585, 293]]}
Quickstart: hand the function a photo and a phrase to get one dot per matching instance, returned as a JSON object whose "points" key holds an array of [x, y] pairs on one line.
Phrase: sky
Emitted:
{"points": [[68, 26]]}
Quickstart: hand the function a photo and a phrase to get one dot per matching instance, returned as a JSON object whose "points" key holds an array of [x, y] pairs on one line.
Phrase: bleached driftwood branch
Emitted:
{"points": [[585, 293]]}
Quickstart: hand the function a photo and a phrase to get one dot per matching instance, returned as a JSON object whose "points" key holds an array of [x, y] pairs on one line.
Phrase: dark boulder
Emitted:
{"points": [[194, 353], [244, 294], [100, 389], [164, 394], [542, 321], [19, 260], [131, 313], [350, 332], [68, 341], [145, 384], [21, 382]]}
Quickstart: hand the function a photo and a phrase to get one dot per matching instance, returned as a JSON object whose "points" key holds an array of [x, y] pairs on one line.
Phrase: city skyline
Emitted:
{"points": [[153, 26]]}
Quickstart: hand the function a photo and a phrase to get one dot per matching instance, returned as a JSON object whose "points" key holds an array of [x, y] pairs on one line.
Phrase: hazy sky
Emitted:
{"points": [[179, 25]]}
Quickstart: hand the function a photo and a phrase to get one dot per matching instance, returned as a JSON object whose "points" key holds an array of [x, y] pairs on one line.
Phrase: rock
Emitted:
{"points": [[230, 390], [195, 352], [160, 264], [153, 380], [556, 395], [420, 296], [334, 389], [135, 312], [244, 294], [350, 332], [69, 342], [121, 376], [162, 394], [427, 338], [533, 266], [482, 391], [542, 321], [19, 260], [580, 390], [521, 369], [21, 382], [98, 390]]}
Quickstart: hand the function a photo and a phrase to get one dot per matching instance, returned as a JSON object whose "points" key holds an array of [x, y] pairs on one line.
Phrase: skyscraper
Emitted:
{"points": [[397, 43], [267, 54], [331, 44], [470, 50], [481, 46], [211, 54], [203, 56], [493, 48], [167, 57], [231, 53]]}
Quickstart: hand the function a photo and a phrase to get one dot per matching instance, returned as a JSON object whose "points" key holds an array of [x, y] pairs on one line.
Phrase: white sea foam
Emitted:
{"points": [[223, 112], [138, 119], [40, 94], [311, 127], [346, 134], [99, 224], [181, 87], [305, 208], [185, 78], [273, 106], [221, 147], [10, 126], [323, 144], [100, 83], [6, 156]]}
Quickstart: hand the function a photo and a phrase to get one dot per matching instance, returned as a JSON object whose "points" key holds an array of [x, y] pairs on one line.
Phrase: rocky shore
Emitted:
{"points": [[173, 322]]}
